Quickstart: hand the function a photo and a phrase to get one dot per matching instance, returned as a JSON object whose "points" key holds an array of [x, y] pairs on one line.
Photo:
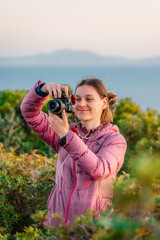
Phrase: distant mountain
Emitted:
{"points": [[75, 58]]}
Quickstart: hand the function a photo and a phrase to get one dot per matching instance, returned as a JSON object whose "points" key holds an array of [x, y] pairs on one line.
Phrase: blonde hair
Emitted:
{"points": [[107, 114]]}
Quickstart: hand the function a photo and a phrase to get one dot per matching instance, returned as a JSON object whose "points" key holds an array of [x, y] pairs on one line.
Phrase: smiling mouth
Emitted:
{"points": [[82, 110]]}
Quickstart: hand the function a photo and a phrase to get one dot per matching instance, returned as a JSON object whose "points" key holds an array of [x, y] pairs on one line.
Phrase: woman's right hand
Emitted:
{"points": [[54, 90]]}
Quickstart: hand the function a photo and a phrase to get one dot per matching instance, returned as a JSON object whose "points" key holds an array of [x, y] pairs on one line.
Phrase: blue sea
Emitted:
{"points": [[140, 83]]}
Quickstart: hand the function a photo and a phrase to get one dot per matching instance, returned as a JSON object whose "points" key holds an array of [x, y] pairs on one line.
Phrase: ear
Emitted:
{"points": [[105, 103]]}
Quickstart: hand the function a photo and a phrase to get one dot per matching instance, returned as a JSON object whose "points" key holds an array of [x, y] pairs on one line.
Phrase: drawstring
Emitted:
{"points": [[61, 167], [63, 164]]}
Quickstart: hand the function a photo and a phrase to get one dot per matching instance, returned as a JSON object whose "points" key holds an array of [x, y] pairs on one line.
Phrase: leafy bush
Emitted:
{"points": [[26, 181], [140, 129], [13, 129], [10, 100], [27, 177]]}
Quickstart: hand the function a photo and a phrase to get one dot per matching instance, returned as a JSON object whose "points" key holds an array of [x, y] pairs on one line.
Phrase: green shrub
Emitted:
{"points": [[13, 129], [25, 183], [27, 177]]}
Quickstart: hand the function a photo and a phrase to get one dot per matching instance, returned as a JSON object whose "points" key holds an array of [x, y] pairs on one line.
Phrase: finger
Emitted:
{"points": [[51, 93], [54, 92], [64, 116], [48, 89], [52, 127], [65, 88], [51, 115], [59, 92], [50, 118], [54, 118]]}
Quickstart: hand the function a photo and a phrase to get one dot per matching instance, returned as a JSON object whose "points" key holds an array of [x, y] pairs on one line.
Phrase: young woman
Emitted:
{"points": [[89, 153]]}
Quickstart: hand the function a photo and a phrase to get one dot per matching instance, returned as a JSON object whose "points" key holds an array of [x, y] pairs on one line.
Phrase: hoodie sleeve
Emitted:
{"points": [[106, 162], [38, 120]]}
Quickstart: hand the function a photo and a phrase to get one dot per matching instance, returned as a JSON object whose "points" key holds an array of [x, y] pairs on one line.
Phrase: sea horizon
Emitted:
{"points": [[140, 83]]}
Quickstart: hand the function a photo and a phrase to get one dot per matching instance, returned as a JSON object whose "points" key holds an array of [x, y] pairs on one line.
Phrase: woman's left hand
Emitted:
{"points": [[59, 125]]}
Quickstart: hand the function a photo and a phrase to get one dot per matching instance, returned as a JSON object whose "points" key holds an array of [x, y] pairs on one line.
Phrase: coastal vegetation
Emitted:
{"points": [[27, 175]]}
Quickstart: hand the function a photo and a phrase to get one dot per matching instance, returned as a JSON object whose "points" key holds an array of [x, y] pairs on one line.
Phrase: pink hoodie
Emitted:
{"points": [[85, 170]]}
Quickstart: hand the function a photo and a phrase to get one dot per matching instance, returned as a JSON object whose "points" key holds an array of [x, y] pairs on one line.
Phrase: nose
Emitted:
{"points": [[82, 103]]}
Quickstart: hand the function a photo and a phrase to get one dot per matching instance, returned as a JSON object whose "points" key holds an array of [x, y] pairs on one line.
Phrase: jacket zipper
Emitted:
{"points": [[69, 200], [68, 205]]}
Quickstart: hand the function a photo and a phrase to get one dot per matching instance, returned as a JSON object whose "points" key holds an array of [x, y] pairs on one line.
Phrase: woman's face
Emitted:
{"points": [[89, 105]]}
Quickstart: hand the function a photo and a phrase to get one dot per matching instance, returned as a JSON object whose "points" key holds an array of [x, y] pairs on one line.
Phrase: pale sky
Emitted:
{"points": [[126, 28]]}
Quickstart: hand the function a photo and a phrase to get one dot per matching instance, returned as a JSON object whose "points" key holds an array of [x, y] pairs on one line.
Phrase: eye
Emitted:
{"points": [[78, 99], [89, 99]]}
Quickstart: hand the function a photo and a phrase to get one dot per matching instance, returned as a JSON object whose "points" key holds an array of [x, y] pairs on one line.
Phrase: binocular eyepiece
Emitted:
{"points": [[57, 105]]}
